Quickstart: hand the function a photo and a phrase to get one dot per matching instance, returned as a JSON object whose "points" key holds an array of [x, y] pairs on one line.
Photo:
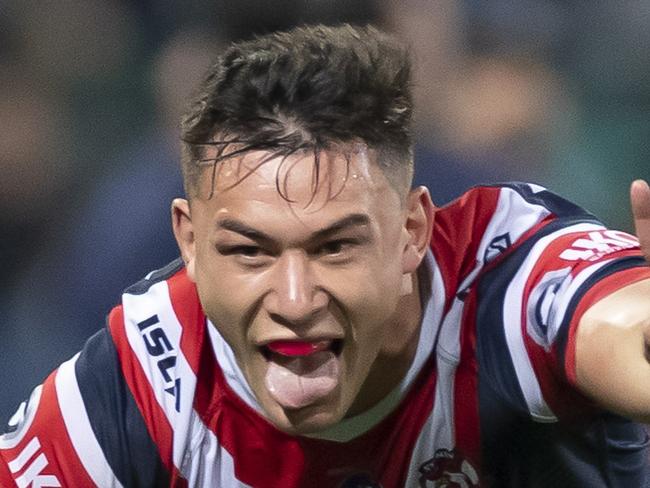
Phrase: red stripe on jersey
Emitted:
{"points": [[209, 383], [466, 404], [187, 308], [154, 417], [603, 288], [457, 233], [48, 427]]}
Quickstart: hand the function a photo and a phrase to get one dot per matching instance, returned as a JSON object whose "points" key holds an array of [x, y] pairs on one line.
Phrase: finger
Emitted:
{"points": [[640, 198]]}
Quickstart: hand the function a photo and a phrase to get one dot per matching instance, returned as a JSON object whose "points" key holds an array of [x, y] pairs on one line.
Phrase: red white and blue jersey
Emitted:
{"points": [[157, 398]]}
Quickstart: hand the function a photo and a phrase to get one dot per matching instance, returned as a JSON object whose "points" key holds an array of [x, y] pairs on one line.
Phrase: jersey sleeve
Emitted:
{"points": [[79, 428], [571, 273], [544, 288]]}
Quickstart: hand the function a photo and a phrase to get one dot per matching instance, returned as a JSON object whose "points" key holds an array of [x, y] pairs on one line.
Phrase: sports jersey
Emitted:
{"points": [[157, 398]]}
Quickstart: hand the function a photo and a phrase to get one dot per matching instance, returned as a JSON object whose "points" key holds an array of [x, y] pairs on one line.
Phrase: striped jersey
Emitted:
{"points": [[157, 398]]}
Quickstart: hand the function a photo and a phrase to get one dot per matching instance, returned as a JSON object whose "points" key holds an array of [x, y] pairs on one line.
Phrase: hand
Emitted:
{"points": [[640, 198]]}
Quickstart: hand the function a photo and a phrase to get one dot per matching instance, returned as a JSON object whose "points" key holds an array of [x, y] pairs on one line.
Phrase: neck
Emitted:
{"points": [[398, 352]]}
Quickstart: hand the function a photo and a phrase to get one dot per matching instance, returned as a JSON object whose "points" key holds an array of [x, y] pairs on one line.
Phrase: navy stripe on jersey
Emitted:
{"points": [[161, 274], [115, 418], [495, 364], [554, 203], [607, 270]]}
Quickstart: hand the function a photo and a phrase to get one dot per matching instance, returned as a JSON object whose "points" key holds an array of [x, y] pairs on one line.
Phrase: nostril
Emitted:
{"points": [[297, 312], [280, 319]]}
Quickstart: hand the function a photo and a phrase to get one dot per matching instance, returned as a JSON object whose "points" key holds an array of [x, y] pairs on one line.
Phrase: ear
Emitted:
{"points": [[184, 234], [419, 226]]}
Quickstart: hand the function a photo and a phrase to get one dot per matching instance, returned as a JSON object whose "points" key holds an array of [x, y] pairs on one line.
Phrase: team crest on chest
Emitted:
{"points": [[447, 469]]}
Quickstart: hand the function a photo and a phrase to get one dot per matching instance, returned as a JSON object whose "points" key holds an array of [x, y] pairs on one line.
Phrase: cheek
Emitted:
{"points": [[369, 294], [226, 299], [221, 285]]}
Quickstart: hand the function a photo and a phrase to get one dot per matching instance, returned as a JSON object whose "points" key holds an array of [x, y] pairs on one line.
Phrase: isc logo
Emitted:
{"points": [[158, 346], [598, 244], [32, 475], [541, 324]]}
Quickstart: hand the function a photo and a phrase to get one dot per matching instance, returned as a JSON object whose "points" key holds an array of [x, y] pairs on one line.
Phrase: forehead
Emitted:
{"points": [[301, 185]]}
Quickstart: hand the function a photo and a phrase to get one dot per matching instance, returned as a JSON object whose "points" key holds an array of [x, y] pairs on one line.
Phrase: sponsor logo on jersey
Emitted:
{"points": [[541, 324], [447, 469], [34, 462], [497, 246], [597, 244], [159, 346]]}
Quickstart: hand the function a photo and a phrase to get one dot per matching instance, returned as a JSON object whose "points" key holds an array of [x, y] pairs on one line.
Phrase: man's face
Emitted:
{"points": [[305, 289]]}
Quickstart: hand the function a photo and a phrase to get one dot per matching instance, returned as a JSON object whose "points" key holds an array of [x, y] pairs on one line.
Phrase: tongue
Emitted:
{"points": [[298, 381]]}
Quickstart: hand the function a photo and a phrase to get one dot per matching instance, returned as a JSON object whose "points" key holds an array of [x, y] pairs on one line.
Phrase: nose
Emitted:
{"points": [[295, 297]]}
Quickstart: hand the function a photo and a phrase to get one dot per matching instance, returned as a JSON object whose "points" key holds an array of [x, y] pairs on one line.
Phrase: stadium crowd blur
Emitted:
{"points": [[91, 93]]}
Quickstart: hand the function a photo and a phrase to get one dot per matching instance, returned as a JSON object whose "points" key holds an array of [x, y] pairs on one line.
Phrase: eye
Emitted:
{"points": [[249, 256], [335, 247], [244, 250], [248, 251]]}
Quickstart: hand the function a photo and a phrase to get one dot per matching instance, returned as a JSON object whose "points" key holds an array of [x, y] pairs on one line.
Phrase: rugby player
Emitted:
{"points": [[327, 325]]}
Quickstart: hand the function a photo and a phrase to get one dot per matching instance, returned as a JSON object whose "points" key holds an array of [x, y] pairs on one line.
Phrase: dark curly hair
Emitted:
{"points": [[307, 89]]}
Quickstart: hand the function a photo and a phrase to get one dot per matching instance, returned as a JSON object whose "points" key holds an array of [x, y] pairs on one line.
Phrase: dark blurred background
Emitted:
{"points": [[91, 91]]}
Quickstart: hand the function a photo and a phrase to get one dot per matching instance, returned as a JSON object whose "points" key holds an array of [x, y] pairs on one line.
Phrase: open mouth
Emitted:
{"points": [[302, 373]]}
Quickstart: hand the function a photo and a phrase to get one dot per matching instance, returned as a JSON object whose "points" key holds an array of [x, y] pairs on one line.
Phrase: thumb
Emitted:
{"points": [[640, 198]]}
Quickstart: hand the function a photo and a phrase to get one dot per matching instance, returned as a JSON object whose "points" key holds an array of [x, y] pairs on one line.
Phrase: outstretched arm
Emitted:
{"points": [[613, 336]]}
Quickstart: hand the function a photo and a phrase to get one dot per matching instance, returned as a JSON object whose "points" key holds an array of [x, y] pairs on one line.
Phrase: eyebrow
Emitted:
{"points": [[353, 220]]}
